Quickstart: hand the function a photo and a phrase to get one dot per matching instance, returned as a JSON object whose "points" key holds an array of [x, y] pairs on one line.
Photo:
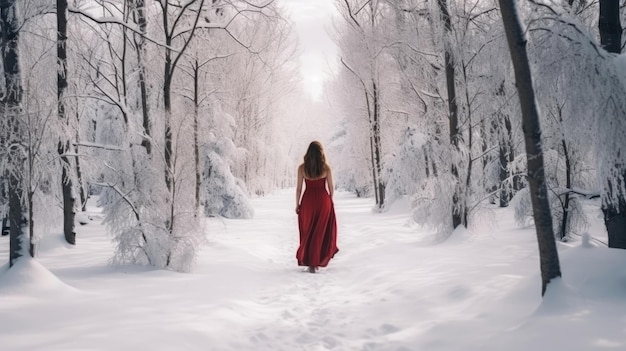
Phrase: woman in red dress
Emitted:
{"points": [[315, 209]]}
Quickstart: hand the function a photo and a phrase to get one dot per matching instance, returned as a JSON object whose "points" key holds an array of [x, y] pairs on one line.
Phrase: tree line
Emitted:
{"points": [[458, 103], [160, 107], [169, 108]]}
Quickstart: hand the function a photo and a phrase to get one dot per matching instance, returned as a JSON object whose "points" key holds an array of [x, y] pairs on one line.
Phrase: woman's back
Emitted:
{"points": [[315, 183]]}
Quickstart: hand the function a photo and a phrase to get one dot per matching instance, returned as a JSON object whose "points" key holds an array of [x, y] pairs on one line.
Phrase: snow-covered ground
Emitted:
{"points": [[389, 288]]}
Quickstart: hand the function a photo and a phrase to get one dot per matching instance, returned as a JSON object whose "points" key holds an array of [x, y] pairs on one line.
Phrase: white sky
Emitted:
{"points": [[313, 19]]}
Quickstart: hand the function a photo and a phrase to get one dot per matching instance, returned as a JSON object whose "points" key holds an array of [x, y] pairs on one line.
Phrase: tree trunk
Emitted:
{"points": [[506, 157], [17, 221], [426, 163], [614, 203], [548, 254], [610, 26], [453, 117], [485, 133], [167, 104], [615, 220], [168, 123], [568, 185], [80, 179], [63, 147], [14, 137], [380, 185], [372, 158], [506, 153], [502, 157], [470, 140], [374, 178], [196, 131], [140, 44], [377, 146], [168, 74]]}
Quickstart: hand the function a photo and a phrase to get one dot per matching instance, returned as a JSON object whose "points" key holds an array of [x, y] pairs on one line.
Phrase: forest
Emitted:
{"points": [[148, 157], [172, 112]]}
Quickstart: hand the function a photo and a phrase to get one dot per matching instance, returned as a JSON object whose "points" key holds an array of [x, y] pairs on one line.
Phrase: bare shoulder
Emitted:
{"points": [[301, 168]]}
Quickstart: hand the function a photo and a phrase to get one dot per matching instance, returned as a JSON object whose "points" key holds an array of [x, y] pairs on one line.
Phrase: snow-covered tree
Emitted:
{"points": [[591, 97], [64, 147], [224, 194], [549, 258], [14, 133]]}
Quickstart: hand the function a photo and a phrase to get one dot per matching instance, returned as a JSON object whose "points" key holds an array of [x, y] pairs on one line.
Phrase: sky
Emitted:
{"points": [[318, 52]]}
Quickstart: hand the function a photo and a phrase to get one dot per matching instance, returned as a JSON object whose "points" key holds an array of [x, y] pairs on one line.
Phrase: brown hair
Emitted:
{"points": [[314, 160]]}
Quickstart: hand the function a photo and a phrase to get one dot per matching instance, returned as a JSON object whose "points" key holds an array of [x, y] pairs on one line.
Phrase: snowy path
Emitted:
{"points": [[325, 310], [387, 289], [384, 272]]}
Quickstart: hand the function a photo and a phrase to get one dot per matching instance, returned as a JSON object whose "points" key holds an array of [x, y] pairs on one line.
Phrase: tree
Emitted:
{"points": [[610, 26], [548, 255], [454, 47], [459, 210], [254, 85], [614, 202], [171, 31], [122, 140], [141, 134], [198, 99], [138, 11], [14, 132], [363, 58], [67, 182]]}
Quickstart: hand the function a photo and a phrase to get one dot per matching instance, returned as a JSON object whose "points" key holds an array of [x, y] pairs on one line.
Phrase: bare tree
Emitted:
{"points": [[548, 255], [197, 97], [171, 31]]}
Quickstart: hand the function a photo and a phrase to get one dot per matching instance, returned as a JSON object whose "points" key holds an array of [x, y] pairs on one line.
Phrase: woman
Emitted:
{"points": [[315, 209]]}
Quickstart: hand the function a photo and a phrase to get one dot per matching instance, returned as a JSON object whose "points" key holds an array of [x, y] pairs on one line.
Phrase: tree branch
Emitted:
{"points": [[350, 14], [98, 146], [112, 20]]}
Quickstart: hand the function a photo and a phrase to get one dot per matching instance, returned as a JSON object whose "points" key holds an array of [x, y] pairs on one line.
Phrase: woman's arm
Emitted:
{"points": [[299, 188], [329, 180]]}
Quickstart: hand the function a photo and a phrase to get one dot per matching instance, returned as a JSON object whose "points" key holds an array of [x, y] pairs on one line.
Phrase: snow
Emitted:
{"points": [[390, 287]]}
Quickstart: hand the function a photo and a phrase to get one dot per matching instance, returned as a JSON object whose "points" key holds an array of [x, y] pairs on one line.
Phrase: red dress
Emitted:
{"points": [[318, 227]]}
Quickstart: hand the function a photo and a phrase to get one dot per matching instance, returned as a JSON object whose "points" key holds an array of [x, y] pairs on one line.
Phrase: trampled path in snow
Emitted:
{"points": [[389, 288]]}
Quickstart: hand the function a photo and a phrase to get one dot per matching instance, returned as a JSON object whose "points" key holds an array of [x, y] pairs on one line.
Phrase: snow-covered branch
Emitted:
{"points": [[117, 21], [98, 146]]}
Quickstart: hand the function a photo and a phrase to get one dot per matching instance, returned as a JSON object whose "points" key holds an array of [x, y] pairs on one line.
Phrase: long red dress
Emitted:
{"points": [[317, 224]]}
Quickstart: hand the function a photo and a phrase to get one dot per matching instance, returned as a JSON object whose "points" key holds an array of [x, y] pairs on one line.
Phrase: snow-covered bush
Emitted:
{"points": [[523, 207], [221, 192], [406, 167], [224, 195], [562, 200], [432, 206]]}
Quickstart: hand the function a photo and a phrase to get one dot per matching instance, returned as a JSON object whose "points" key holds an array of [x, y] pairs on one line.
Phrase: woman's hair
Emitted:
{"points": [[314, 160]]}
